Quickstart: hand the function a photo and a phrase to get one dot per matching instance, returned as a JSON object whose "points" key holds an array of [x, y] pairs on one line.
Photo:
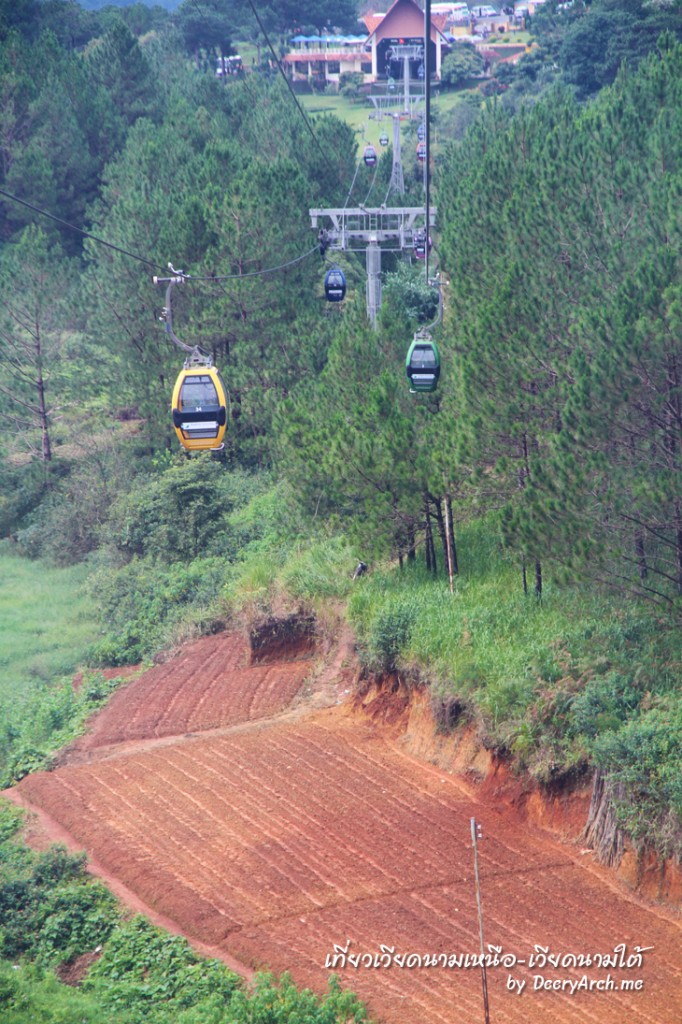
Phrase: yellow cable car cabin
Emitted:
{"points": [[200, 408]]}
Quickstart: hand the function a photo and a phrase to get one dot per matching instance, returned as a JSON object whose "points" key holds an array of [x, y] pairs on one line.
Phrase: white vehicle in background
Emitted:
{"points": [[453, 11], [228, 65]]}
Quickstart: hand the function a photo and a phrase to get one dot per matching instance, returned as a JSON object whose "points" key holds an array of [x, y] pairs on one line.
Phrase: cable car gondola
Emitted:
{"points": [[422, 363], [421, 152], [335, 284], [420, 244], [383, 139], [421, 131], [370, 155], [199, 407]]}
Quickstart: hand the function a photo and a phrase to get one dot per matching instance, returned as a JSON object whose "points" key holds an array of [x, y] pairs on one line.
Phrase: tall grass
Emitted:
{"points": [[46, 628], [308, 573], [46, 625]]}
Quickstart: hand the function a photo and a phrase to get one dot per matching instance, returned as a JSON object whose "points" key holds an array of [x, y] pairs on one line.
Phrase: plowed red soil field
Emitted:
{"points": [[276, 841], [208, 685]]}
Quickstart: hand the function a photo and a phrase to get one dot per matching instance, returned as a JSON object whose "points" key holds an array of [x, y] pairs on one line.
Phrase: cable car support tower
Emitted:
{"points": [[406, 52], [376, 229], [389, 228]]}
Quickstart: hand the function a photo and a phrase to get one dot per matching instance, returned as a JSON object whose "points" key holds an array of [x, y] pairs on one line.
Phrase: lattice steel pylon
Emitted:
{"points": [[371, 228], [406, 52], [397, 177]]}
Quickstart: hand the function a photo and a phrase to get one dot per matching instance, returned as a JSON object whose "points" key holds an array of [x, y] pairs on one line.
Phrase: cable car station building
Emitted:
{"points": [[329, 57]]}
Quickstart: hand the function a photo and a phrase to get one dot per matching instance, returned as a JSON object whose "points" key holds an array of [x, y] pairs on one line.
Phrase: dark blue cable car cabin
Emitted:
{"points": [[421, 131], [370, 156], [335, 284], [422, 364]]}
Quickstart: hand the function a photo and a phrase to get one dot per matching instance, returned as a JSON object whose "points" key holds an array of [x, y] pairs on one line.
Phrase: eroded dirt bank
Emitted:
{"points": [[562, 810], [269, 818]]}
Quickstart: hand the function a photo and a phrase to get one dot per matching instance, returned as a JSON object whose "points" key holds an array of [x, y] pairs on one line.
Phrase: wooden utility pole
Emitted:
{"points": [[475, 836]]}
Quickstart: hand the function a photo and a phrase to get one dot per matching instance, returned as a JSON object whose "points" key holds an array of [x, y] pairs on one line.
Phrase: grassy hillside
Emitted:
{"points": [[47, 626]]}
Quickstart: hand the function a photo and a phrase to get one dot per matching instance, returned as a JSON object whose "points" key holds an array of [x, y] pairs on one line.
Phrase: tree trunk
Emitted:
{"points": [[411, 543], [430, 549], [451, 533], [448, 543], [640, 554], [440, 520], [602, 832], [42, 404], [538, 579], [678, 544]]}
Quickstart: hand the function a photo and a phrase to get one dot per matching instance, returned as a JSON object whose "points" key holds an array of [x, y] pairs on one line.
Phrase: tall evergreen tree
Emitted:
{"points": [[35, 286]]}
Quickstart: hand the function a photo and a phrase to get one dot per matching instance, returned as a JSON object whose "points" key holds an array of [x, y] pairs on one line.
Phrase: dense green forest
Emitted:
{"points": [[549, 456]]}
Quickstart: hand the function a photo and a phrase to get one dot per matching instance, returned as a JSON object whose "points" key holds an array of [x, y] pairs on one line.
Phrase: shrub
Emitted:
{"points": [[350, 83], [388, 636], [143, 970], [605, 703], [644, 756], [51, 910], [183, 513], [141, 601]]}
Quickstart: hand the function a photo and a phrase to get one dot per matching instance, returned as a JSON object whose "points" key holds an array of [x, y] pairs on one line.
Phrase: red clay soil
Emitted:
{"points": [[276, 842], [207, 685]]}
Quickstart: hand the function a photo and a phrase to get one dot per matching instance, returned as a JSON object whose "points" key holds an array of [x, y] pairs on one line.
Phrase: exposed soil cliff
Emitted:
{"points": [[572, 809]]}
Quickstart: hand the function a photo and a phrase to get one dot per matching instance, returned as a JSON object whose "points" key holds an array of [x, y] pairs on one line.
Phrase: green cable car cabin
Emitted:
{"points": [[199, 408], [422, 364]]}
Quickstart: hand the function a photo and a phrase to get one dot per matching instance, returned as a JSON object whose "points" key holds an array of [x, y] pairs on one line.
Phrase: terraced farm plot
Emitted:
{"points": [[278, 841], [208, 685]]}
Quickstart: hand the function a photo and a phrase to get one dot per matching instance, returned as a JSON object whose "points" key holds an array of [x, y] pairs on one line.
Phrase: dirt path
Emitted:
{"points": [[287, 834]]}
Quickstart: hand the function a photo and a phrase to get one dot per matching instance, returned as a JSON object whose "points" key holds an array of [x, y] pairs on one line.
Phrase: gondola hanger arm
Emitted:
{"points": [[178, 277]]}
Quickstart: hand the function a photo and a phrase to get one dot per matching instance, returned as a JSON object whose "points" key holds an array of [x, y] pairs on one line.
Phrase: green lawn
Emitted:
{"points": [[46, 625], [356, 114]]}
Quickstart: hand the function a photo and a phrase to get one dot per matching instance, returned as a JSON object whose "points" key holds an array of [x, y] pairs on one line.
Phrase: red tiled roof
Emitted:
{"points": [[372, 21]]}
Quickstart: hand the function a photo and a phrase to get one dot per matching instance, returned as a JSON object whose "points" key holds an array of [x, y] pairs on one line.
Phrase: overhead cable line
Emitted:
{"points": [[352, 184], [151, 263], [290, 88], [254, 273], [81, 231]]}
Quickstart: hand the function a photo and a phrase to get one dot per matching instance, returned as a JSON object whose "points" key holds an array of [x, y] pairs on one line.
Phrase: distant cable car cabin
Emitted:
{"points": [[422, 364], [420, 244], [335, 284], [199, 407], [421, 131], [421, 152], [383, 139], [370, 156]]}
